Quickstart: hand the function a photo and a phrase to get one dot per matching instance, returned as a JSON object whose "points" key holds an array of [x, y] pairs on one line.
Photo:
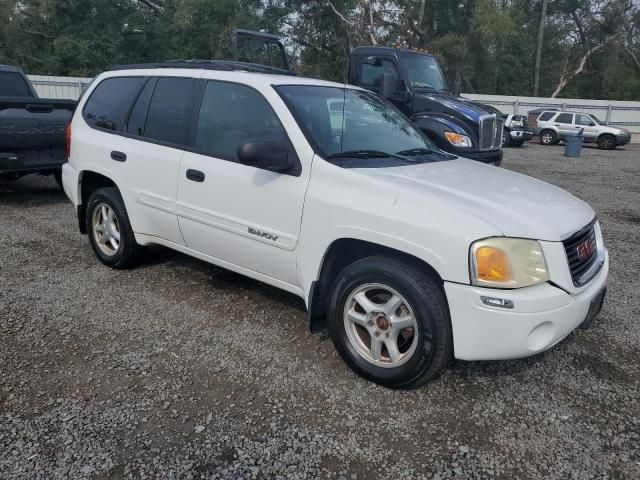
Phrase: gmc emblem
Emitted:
{"points": [[585, 249]]}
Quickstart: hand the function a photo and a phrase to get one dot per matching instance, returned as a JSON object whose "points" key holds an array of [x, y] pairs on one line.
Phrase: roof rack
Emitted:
{"points": [[221, 65]]}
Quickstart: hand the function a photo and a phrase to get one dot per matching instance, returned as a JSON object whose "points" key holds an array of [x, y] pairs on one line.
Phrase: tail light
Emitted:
{"points": [[68, 137]]}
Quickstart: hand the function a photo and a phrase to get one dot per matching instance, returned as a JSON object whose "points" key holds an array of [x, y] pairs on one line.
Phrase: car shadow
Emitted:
{"points": [[31, 191]]}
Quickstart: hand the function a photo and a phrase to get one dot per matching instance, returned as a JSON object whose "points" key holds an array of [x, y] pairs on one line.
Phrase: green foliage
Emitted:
{"points": [[486, 45]]}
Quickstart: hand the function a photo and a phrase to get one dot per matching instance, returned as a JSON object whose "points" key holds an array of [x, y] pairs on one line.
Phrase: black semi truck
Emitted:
{"points": [[413, 81]]}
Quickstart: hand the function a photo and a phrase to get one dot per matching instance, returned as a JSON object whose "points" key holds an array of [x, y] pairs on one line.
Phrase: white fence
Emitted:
{"points": [[59, 87], [618, 114], [621, 114]]}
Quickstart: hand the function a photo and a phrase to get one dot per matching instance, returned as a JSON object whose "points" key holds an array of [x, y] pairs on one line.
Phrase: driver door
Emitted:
{"points": [[590, 129]]}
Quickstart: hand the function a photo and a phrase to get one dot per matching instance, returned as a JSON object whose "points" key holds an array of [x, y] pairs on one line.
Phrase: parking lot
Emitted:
{"points": [[179, 369]]}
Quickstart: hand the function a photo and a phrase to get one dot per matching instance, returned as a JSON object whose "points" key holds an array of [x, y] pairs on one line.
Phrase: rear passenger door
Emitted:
{"points": [[144, 160], [241, 215], [564, 123]]}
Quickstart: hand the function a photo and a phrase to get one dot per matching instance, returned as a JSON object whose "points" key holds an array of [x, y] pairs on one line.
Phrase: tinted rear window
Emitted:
{"points": [[111, 101], [565, 118], [13, 84], [546, 116], [166, 117]]}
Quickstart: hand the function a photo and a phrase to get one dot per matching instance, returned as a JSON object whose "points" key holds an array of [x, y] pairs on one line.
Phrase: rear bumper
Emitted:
{"points": [[29, 162], [540, 318], [70, 183]]}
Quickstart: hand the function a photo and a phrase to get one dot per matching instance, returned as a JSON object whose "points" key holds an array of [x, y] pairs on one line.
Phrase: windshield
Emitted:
{"points": [[424, 72], [596, 119], [342, 121]]}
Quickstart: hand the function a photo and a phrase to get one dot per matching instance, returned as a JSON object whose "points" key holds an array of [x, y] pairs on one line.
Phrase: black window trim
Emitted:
{"points": [[135, 101], [295, 172], [188, 112]]}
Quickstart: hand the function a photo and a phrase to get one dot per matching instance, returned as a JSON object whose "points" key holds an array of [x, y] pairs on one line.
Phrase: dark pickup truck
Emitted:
{"points": [[32, 129]]}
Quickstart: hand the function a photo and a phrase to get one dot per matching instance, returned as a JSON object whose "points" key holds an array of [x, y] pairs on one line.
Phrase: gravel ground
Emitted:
{"points": [[181, 370]]}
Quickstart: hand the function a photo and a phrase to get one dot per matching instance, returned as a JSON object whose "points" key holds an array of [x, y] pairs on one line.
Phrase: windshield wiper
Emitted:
{"points": [[368, 154], [415, 151]]}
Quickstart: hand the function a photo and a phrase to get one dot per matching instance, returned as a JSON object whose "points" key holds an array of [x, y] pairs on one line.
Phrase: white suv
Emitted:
{"points": [[408, 255]]}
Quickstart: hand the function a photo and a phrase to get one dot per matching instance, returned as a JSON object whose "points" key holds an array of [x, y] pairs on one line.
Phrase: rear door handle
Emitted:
{"points": [[118, 156], [195, 175]]}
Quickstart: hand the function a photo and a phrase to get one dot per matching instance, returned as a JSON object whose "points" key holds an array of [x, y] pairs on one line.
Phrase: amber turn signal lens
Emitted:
{"points": [[492, 265]]}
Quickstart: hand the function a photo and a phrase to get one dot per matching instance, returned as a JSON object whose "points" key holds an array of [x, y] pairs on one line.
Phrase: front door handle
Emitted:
{"points": [[195, 175], [119, 156]]}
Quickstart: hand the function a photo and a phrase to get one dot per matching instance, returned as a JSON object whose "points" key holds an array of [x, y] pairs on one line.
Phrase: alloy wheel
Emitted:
{"points": [[380, 325], [106, 230]]}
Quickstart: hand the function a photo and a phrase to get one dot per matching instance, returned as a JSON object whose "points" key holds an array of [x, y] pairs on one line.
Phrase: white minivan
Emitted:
{"points": [[409, 256]]}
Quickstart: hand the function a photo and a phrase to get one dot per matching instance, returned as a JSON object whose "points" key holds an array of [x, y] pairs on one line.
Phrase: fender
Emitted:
{"points": [[435, 124]]}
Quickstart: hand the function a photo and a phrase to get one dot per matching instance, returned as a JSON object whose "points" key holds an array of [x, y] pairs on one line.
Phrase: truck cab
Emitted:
{"points": [[413, 81]]}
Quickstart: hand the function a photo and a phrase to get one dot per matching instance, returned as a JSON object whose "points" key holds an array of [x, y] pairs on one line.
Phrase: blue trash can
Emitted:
{"points": [[573, 145]]}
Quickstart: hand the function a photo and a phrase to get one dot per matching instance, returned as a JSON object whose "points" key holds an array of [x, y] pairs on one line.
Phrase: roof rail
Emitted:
{"points": [[223, 65]]}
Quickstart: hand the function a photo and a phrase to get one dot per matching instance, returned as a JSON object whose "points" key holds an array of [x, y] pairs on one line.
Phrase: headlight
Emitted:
{"points": [[622, 132], [458, 140], [507, 263], [516, 123]]}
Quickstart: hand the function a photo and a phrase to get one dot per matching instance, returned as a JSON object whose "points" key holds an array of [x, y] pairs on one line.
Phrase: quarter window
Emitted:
{"points": [[230, 115], [138, 116], [166, 116], [110, 102], [546, 116], [565, 118]]}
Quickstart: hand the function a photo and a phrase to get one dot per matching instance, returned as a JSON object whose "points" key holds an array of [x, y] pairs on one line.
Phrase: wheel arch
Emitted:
{"points": [[90, 181], [341, 253]]}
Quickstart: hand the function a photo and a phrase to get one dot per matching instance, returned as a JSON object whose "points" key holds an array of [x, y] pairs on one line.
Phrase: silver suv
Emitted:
{"points": [[553, 126]]}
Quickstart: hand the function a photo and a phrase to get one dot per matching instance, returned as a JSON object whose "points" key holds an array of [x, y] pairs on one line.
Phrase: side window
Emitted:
{"points": [[110, 102], [230, 115], [584, 120], [371, 74], [138, 116], [166, 116], [546, 116], [565, 118]]}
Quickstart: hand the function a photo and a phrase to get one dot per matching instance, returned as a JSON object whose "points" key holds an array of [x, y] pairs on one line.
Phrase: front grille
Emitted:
{"points": [[580, 266], [490, 134]]}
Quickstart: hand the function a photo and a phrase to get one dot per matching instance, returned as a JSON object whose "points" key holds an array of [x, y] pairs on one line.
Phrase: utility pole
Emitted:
{"points": [[536, 68]]}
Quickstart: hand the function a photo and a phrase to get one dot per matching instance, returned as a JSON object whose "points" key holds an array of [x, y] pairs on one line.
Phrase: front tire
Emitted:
{"points": [[389, 321], [506, 139], [606, 142], [109, 230], [548, 137]]}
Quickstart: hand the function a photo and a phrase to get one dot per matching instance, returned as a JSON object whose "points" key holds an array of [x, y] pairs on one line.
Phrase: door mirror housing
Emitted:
{"points": [[389, 85], [267, 155]]}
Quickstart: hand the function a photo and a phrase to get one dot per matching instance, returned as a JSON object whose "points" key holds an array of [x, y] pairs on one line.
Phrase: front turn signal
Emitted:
{"points": [[458, 139], [493, 265]]}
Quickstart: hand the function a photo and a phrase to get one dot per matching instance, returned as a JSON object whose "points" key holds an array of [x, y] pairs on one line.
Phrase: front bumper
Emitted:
{"points": [[490, 156], [623, 139], [520, 135], [541, 317]]}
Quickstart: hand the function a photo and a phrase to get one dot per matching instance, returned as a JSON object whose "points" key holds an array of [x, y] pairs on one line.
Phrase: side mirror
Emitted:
{"points": [[388, 85], [265, 154]]}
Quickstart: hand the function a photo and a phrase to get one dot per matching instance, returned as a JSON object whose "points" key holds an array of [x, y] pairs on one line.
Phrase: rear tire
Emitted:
{"points": [[606, 142], [109, 230], [548, 137], [389, 321]]}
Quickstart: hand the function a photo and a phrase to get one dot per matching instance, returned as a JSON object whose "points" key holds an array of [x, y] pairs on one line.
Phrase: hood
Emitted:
{"points": [[455, 106], [515, 204]]}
